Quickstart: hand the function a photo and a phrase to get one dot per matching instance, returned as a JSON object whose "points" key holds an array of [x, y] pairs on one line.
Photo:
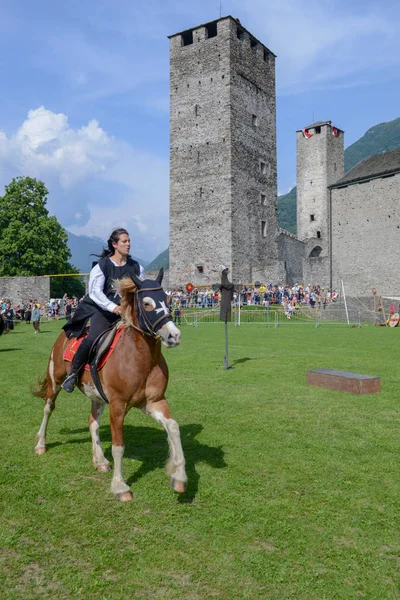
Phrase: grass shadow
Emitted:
{"points": [[149, 446], [240, 361], [10, 349]]}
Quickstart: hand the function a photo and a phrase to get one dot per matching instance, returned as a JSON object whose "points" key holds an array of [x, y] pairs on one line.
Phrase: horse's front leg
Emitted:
{"points": [[99, 460], [118, 485], [175, 466], [48, 390], [49, 406]]}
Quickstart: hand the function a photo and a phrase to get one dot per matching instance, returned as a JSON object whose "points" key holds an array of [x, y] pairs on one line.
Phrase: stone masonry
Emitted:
{"points": [[17, 289], [223, 180], [366, 236]]}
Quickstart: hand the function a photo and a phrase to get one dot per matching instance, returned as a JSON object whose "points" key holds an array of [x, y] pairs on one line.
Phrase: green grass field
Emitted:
{"points": [[293, 491]]}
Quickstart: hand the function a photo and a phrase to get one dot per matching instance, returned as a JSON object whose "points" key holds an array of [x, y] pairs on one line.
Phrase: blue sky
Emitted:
{"points": [[84, 94]]}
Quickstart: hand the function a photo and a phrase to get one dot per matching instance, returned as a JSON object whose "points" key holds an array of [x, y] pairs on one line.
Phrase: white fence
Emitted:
{"points": [[315, 317]]}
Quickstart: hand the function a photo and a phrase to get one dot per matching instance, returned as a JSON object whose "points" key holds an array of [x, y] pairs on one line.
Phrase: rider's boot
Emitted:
{"points": [[80, 359]]}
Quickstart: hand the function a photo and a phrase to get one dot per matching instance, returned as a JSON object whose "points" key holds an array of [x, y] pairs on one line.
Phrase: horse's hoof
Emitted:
{"points": [[178, 486], [103, 468], [125, 497], [40, 451]]}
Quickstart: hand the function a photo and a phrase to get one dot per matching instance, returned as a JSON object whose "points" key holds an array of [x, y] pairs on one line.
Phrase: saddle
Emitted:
{"points": [[100, 352]]}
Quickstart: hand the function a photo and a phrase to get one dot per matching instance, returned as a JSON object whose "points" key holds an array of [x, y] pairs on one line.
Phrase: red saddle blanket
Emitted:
{"points": [[76, 342]]}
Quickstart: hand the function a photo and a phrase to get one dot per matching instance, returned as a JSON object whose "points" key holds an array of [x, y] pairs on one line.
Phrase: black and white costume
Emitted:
{"points": [[99, 304]]}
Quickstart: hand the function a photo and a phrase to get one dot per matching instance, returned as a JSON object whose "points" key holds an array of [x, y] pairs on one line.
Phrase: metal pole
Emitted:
{"points": [[226, 359], [240, 299], [345, 304], [330, 243]]}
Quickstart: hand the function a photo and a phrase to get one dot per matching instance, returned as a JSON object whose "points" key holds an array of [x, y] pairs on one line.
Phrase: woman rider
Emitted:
{"points": [[102, 304]]}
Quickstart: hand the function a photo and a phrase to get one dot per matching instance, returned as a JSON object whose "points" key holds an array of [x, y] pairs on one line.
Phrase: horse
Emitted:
{"points": [[135, 375]]}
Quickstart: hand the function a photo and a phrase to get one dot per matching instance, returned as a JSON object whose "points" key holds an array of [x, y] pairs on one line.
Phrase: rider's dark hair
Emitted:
{"points": [[114, 238]]}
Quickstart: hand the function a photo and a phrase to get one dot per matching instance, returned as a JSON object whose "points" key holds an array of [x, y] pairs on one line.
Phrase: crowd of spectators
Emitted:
{"points": [[29, 311], [291, 298]]}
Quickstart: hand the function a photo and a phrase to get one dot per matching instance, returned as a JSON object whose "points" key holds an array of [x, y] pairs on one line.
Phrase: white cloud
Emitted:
{"points": [[45, 145], [96, 182]]}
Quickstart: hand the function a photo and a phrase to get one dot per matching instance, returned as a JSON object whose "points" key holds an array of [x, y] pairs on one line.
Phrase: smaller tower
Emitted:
{"points": [[320, 162]]}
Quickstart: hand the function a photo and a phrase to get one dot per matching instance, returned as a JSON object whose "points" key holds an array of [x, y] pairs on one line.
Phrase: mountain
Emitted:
{"points": [[162, 260], [82, 246], [287, 211], [380, 138]]}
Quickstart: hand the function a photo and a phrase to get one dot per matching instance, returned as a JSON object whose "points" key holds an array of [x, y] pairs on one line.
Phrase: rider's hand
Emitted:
{"points": [[117, 310]]}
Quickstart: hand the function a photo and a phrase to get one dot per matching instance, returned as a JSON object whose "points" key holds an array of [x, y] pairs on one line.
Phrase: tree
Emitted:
{"points": [[73, 286], [31, 242]]}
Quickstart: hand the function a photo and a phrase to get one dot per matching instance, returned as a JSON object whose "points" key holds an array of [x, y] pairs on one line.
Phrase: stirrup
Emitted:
{"points": [[70, 382]]}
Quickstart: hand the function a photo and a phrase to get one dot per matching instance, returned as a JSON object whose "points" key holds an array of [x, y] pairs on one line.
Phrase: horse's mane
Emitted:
{"points": [[126, 288]]}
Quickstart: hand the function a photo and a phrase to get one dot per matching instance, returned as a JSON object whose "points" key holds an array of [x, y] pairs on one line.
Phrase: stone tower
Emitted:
{"points": [[223, 182], [320, 162]]}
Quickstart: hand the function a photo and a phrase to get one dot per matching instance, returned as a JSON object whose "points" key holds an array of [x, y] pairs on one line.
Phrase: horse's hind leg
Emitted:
{"points": [[118, 485], [99, 460], [175, 466], [49, 391]]}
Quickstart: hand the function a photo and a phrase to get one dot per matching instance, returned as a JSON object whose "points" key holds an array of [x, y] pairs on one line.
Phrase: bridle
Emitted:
{"points": [[150, 327]]}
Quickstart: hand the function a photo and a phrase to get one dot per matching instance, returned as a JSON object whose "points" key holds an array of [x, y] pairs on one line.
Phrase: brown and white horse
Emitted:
{"points": [[135, 375]]}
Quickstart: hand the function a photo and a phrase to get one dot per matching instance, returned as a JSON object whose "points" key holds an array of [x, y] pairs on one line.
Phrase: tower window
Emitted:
{"points": [[318, 234], [187, 38], [318, 130], [263, 168], [240, 33], [263, 200], [253, 44], [211, 30], [312, 217], [264, 228], [200, 268], [254, 120], [266, 56]]}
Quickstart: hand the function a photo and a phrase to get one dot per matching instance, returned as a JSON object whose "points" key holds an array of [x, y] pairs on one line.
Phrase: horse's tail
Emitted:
{"points": [[40, 389]]}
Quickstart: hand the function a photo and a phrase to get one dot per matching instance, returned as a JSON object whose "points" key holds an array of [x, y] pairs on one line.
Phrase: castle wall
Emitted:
{"points": [[17, 289], [366, 236], [316, 271], [291, 253]]}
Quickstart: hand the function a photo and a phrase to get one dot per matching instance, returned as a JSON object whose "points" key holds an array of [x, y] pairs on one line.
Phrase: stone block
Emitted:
{"points": [[343, 381]]}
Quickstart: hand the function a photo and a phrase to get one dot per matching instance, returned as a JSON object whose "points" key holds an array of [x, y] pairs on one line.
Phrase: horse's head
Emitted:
{"points": [[153, 312]]}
